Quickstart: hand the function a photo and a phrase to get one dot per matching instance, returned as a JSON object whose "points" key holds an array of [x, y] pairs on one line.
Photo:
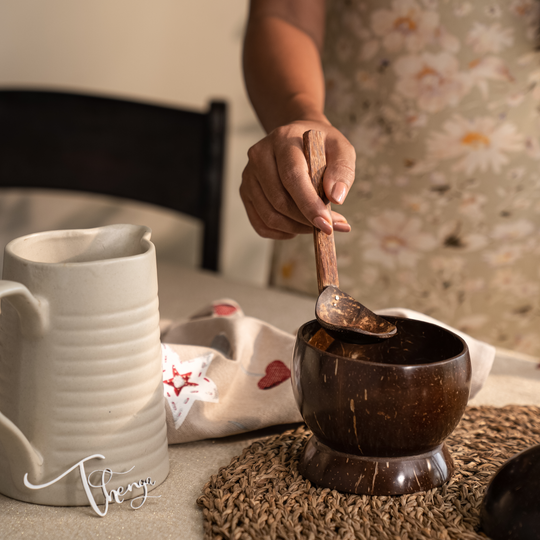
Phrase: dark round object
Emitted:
{"points": [[397, 401], [511, 506]]}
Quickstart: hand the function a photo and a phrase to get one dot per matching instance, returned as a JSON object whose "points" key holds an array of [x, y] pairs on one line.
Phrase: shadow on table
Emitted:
{"points": [[251, 436]]}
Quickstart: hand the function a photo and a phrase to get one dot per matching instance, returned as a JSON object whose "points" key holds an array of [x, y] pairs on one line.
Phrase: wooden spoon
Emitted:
{"points": [[340, 314]]}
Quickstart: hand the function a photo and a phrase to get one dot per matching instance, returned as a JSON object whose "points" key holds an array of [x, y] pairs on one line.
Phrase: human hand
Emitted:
{"points": [[276, 189]]}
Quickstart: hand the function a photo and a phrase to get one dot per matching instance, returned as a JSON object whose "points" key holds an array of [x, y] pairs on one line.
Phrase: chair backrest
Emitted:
{"points": [[161, 155]]}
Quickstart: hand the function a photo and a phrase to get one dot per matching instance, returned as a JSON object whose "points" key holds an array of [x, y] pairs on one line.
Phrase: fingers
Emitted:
{"points": [[270, 224], [260, 226], [262, 170], [262, 215], [276, 189], [340, 224], [293, 172], [266, 193], [340, 168]]}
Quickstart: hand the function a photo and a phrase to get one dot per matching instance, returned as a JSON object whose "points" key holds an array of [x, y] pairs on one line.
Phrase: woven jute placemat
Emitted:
{"points": [[260, 495]]}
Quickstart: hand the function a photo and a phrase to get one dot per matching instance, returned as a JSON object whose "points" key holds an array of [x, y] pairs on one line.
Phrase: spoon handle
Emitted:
{"points": [[325, 250]]}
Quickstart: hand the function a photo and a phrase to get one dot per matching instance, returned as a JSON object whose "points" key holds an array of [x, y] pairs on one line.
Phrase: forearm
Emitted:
{"points": [[284, 79], [282, 68]]}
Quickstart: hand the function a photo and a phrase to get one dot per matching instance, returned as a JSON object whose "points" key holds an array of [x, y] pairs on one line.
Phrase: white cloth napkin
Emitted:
{"points": [[482, 354], [225, 373]]}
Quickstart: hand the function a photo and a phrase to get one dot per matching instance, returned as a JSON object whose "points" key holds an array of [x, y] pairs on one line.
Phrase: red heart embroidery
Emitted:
{"points": [[223, 310], [276, 373]]}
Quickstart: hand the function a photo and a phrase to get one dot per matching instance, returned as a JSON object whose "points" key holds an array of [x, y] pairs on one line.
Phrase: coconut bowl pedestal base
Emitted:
{"points": [[364, 475]]}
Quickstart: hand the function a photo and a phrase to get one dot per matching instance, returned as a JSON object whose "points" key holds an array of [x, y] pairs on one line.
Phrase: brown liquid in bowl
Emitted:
{"points": [[415, 343]]}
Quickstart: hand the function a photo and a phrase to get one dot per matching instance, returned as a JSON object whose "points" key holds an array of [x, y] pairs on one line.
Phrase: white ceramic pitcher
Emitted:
{"points": [[80, 365]]}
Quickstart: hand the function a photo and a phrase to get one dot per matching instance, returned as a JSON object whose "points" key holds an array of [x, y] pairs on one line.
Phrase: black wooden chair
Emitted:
{"points": [[160, 155]]}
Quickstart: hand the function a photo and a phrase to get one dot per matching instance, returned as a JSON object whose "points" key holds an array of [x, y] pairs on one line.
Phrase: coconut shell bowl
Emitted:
{"points": [[380, 412]]}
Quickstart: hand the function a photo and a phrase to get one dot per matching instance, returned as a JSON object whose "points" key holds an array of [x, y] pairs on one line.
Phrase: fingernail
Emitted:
{"points": [[322, 225], [339, 192], [340, 226]]}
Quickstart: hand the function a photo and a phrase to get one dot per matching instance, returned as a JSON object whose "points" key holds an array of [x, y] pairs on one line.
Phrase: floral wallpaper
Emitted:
{"points": [[440, 100]]}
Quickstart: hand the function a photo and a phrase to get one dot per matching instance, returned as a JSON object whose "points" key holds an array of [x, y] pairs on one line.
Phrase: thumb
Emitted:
{"points": [[340, 169]]}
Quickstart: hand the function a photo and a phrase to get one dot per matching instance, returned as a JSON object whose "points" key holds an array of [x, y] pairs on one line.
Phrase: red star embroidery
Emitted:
{"points": [[186, 382], [224, 310]]}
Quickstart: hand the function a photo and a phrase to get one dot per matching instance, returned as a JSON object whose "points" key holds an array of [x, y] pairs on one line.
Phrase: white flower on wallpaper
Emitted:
{"points": [[446, 40], [367, 80], [514, 230], [532, 147], [463, 9], [452, 236], [482, 70], [470, 323], [339, 94], [447, 267], [477, 144], [515, 99], [529, 11], [369, 50], [355, 23], [368, 138], [516, 173], [405, 26], [415, 119], [415, 203], [493, 11], [370, 275], [344, 49], [432, 80], [534, 80], [534, 75], [530, 57], [472, 204], [489, 39], [504, 255], [524, 8], [513, 282], [393, 239], [438, 180], [473, 285]]}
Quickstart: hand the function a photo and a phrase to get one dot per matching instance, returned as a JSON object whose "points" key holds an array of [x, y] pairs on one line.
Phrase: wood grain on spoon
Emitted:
{"points": [[325, 249]]}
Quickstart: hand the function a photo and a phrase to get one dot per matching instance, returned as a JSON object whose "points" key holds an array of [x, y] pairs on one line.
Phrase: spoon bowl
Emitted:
{"points": [[346, 319]]}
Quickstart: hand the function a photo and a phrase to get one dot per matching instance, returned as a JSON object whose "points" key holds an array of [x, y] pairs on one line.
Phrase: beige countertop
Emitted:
{"points": [[514, 379]]}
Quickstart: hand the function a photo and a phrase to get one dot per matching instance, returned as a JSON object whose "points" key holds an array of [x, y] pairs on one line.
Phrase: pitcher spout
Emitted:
{"points": [[113, 241]]}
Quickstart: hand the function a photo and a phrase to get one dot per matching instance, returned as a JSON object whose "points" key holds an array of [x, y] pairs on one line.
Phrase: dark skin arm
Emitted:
{"points": [[285, 82]]}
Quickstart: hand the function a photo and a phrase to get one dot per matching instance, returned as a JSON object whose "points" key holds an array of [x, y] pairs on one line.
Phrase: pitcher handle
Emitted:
{"points": [[33, 312], [34, 315]]}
